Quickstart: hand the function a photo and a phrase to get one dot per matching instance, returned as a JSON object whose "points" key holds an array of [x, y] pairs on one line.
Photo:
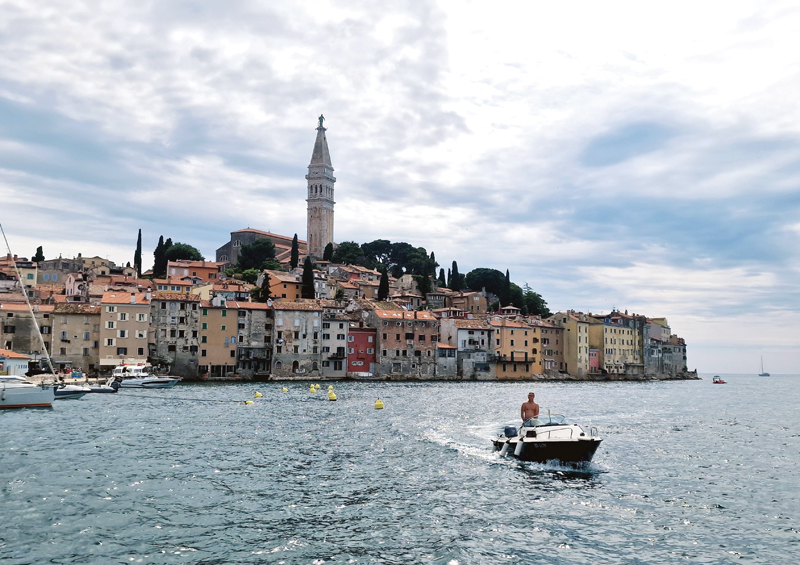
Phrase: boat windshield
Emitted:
{"points": [[546, 420]]}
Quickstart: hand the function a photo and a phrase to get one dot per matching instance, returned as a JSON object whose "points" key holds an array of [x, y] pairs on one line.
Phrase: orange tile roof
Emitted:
{"points": [[12, 354], [121, 297], [308, 306], [445, 346], [405, 314], [249, 305], [22, 307], [76, 308], [176, 296]]}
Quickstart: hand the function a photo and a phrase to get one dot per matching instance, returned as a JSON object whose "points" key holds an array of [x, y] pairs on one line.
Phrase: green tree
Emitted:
{"points": [[515, 296], [181, 252], [262, 293], [160, 263], [39, 255], [534, 303], [328, 253], [347, 253], [339, 294], [490, 279], [294, 260], [272, 265], [377, 253], [433, 264], [456, 279], [307, 290], [254, 255], [383, 287], [137, 255], [249, 275], [505, 296], [423, 283], [441, 281]]}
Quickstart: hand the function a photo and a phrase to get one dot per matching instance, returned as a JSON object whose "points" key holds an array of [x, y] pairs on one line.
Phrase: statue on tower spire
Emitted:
{"points": [[321, 119]]}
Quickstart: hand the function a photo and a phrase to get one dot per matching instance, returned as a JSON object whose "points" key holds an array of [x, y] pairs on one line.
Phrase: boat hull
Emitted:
{"points": [[150, 382], [27, 397], [570, 451]]}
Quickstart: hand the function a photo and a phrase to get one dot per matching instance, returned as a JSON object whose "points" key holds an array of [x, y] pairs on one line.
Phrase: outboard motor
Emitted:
{"points": [[510, 431]]}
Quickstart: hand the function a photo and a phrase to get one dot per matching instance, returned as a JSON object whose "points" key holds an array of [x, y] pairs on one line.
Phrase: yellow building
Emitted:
{"points": [[124, 327], [516, 348], [617, 345], [575, 341], [218, 338]]}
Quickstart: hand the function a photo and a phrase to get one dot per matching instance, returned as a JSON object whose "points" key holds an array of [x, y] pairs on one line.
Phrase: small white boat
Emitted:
{"points": [[71, 392], [549, 438], [16, 392], [139, 376]]}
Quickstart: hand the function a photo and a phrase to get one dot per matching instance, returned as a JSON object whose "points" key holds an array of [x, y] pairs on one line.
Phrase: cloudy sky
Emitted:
{"points": [[610, 154]]}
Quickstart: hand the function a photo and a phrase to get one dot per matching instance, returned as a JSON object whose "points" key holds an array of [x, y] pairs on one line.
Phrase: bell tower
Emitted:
{"points": [[320, 195]]}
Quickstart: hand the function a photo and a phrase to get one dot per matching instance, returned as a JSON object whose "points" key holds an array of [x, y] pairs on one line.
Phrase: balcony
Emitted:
{"points": [[337, 356]]}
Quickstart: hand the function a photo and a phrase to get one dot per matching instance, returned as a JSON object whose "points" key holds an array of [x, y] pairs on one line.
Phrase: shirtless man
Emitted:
{"points": [[529, 409]]}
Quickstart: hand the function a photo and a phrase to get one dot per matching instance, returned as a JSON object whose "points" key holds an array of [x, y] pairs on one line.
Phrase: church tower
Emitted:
{"points": [[320, 195]]}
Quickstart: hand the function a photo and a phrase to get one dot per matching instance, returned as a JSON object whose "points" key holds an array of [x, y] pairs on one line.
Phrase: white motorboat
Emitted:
{"points": [[16, 392], [548, 438], [139, 376], [69, 391]]}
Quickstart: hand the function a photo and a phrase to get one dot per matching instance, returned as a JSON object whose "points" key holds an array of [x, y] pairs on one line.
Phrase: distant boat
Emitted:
{"points": [[763, 373], [718, 380]]}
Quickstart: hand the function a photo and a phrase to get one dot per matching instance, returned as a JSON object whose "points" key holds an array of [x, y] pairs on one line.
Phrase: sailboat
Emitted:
{"points": [[763, 373], [15, 391]]}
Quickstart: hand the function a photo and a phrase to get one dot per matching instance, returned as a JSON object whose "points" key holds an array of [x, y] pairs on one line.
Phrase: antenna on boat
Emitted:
{"points": [[28, 302]]}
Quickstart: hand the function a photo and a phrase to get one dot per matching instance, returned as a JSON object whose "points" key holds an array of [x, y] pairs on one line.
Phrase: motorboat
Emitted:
{"points": [[139, 376], [16, 392], [548, 438], [718, 380], [102, 388], [71, 391]]}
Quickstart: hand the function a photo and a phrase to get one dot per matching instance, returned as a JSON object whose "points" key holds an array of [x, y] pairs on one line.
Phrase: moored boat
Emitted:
{"points": [[70, 391], [139, 376], [548, 438], [16, 392]]}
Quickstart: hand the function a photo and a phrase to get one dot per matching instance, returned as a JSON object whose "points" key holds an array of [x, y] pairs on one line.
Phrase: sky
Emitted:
{"points": [[626, 155]]}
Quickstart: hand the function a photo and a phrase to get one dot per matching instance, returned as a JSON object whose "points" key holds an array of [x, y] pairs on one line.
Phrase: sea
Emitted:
{"points": [[688, 472]]}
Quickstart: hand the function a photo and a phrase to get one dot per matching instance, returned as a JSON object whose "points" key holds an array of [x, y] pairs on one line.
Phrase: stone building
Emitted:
{"points": [[174, 341], [254, 343], [124, 325], [406, 342], [18, 331], [472, 340], [76, 337], [575, 341], [320, 195], [296, 337]]}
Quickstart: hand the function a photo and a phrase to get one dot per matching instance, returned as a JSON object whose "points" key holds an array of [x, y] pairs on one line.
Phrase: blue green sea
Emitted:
{"points": [[688, 472]]}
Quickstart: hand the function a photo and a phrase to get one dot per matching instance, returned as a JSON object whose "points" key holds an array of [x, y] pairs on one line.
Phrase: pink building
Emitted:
{"points": [[594, 361], [361, 350]]}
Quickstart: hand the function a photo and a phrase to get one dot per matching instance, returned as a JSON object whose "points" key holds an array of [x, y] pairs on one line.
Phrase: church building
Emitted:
{"points": [[320, 182], [320, 195]]}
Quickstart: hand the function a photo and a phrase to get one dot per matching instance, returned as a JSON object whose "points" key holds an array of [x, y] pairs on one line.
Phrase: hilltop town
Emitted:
{"points": [[277, 307]]}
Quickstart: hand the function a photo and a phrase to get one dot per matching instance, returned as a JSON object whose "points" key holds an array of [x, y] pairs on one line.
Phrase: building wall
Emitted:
{"points": [[174, 339], [335, 344], [132, 319], [518, 350], [218, 325], [414, 353], [297, 352], [76, 337], [18, 330], [364, 343]]}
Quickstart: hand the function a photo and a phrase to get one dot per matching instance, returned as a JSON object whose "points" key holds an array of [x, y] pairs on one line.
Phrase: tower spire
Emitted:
{"points": [[320, 195]]}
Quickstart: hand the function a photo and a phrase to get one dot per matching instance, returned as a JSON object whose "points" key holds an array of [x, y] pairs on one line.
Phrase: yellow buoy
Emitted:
{"points": [[249, 402], [312, 389], [330, 387], [331, 396], [258, 395], [378, 404], [317, 386], [284, 389]]}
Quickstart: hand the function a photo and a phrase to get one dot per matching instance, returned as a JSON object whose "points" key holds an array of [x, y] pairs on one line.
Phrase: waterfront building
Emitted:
{"points": [[174, 337], [674, 356], [320, 201], [362, 341], [407, 342], [18, 331], [551, 353], [124, 325], [516, 349], [76, 337], [254, 340], [13, 363], [218, 338], [472, 340], [296, 338], [575, 341], [446, 361], [336, 344]]}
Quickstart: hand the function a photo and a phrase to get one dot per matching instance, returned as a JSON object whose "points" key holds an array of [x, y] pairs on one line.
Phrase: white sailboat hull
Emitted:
{"points": [[26, 397]]}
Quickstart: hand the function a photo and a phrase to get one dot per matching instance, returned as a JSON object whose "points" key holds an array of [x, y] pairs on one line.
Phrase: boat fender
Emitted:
{"points": [[504, 449], [379, 404], [257, 395], [518, 449], [510, 431]]}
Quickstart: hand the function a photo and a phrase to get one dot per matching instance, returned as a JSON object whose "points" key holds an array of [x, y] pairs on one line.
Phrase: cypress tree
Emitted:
{"points": [[441, 281], [137, 256], [328, 253], [308, 279], [505, 300], [383, 287], [434, 264], [158, 255], [39, 255], [295, 258], [449, 279], [455, 281]]}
